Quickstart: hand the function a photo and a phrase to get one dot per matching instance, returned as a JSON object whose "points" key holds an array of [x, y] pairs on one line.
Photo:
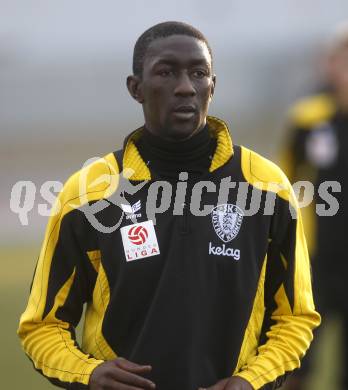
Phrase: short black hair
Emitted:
{"points": [[162, 30]]}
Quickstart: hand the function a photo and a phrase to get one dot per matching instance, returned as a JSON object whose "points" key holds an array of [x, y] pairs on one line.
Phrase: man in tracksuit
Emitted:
{"points": [[192, 260]]}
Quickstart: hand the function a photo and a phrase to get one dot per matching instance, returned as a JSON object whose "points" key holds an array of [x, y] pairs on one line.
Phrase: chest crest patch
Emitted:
{"points": [[227, 220]]}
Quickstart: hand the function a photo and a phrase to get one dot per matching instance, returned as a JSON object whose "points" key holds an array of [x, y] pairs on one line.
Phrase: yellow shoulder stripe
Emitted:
{"points": [[266, 176]]}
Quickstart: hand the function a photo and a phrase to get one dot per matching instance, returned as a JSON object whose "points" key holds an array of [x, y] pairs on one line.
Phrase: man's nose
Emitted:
{"points": [[184, 86]]}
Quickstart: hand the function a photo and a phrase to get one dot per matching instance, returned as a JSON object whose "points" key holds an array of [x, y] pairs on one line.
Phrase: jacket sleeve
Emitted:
{"points": [[62, 283], [289, 313]]}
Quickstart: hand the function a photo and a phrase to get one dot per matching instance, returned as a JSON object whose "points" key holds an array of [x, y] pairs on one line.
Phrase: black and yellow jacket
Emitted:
{"points": [[205, 307], [316, 151]]}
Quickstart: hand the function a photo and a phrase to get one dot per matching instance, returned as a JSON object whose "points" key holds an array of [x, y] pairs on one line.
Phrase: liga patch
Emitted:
{"points": [[139, 241]]}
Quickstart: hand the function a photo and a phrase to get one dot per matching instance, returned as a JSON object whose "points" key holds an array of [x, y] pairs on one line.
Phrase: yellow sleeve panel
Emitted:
{"points": [[290, 334], [309, 226], [93, 340], [48, 340], [311, 111], [51, 348], [253, 330]]}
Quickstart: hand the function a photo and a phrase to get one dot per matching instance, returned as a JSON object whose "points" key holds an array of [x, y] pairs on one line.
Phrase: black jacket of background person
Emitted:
{"points": [[205, 307], [317, 152]]}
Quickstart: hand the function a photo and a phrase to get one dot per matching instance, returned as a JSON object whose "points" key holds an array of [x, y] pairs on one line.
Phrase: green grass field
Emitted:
{"points": [[17, 371], [17, 269]]}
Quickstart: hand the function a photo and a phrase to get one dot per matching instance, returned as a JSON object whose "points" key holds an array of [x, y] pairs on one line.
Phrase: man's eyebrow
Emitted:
{"points": [[175, 61], [165, 61], [200, 61]]}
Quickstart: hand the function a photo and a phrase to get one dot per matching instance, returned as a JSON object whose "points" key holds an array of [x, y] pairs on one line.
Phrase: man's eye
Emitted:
{"points": [[199, 73], [165, 73]]}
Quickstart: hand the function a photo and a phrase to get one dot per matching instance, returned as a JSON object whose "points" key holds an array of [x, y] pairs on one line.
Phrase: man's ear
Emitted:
{"points": [[212, 90], [134, 88]]}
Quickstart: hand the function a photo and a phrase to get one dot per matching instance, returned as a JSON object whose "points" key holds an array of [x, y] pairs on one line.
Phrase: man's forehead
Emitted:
{"points": [[178, 47]]}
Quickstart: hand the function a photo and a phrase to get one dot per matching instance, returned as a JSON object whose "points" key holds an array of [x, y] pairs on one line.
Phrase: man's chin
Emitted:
{"points": [[182, 131]]}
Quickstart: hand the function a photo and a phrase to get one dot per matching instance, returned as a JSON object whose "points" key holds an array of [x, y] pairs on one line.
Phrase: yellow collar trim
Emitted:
{"points": [[224, 147], [137, 166], [133, 161]]}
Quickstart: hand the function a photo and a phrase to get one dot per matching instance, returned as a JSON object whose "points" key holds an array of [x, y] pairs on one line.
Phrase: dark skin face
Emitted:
{"points": [[176, 87]]}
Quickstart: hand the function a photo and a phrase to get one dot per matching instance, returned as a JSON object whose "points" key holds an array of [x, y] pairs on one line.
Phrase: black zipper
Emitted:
{"points": [[185, 219], [185, 226]]}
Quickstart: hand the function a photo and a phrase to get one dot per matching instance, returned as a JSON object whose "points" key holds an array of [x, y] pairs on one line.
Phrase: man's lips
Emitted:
{"points": [[185, 108], [184, 112]]}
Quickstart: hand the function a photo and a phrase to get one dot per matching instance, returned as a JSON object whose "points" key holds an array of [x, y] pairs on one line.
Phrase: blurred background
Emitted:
{"points": [[63, 99]]}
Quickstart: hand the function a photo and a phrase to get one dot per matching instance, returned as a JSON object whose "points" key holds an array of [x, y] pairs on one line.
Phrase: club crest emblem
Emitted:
{"points": [[227, 220]]}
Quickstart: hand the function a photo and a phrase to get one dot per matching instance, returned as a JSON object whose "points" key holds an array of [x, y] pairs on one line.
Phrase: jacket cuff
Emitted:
{"points": [[90, 367], [256, 383]]}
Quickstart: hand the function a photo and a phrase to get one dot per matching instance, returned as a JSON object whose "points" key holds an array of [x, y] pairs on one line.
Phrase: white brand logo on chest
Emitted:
{"points": [[139, 241], [223, 251], [131, 210]]}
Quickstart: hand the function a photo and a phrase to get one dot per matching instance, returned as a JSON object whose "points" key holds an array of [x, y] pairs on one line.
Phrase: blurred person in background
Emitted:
{"points": [[317, 151]]}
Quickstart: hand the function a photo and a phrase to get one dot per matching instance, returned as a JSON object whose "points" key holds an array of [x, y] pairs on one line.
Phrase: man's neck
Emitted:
{"points": [[166, 135], [168, 159]]}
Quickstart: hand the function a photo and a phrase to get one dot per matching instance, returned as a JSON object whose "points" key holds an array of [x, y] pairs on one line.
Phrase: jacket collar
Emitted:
{"points": [[134, 162]]}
